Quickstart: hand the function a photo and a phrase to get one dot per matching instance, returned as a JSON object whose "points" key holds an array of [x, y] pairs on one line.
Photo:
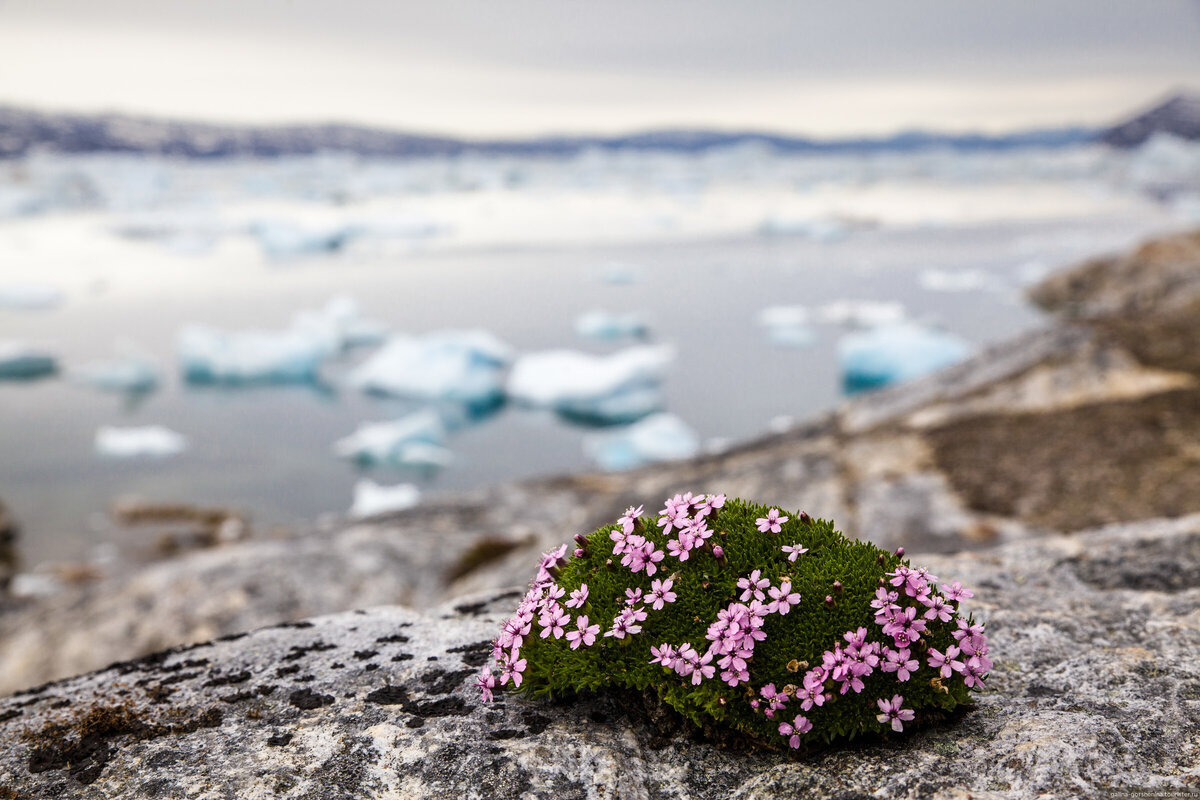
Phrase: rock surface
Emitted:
{"points": [[1096, 638], [1094, 419]]}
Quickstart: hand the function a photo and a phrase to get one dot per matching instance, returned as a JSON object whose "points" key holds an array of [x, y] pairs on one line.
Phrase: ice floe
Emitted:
{"points": [[209, 355], [460, 366], [963, 280], [131, 371], [341, 321], [21, 361], [29, 296], [658, 437], [894, 353], [282, 240], [605, 325], [372, 499], [415, 441], [787, 325], [861, 313], [148, 441], [606, 389]]}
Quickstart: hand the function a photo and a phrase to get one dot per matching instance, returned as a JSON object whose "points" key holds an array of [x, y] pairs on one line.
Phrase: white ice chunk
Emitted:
{"points": [[620, 387], [210, 355], [341, 321], [658, 437], [29, 296], [19, 361], [787, 325], [412, 441], [965, 280], [150, 440], [861, 313], [893, 353], [131, 371], [462, 366], [605, 325], [371, 499], [286, 240]]}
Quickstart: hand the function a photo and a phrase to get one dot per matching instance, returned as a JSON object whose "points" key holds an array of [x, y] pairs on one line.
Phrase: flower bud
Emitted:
{"points": [[829, 601], [900, 552], [805, 518], [837, 586], [719, 553]]}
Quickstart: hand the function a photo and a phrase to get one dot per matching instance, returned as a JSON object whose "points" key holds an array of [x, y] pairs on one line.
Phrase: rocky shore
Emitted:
{"points": [[1058, 473]]}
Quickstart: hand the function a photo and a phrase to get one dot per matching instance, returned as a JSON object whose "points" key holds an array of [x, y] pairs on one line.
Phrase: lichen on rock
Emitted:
{"points": [[775, 625]]}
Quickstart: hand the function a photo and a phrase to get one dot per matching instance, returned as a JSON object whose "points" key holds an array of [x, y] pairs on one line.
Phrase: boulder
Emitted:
{"points": [[1096, 638]]}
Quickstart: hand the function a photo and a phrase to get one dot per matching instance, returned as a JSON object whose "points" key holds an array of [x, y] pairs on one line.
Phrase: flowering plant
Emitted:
{"points": [[774, 624]]}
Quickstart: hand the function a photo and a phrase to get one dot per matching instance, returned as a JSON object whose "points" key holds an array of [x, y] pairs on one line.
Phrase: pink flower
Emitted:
{"points": [[938, 608], [686, 660], [486, 682], [553, 621], [633, 597], [680, 548], [753, 586], [800, 725], [772, 522], [703, 668], [956, 593], [709, 504], [512, 669], [652, 557], [783, 598], [793, 551], [552, 559], [664, 655], [900, 662], [578, 597], [893, 713], [630, 518], [620, 540], [660, 593], [585, 635], [945, 664]]}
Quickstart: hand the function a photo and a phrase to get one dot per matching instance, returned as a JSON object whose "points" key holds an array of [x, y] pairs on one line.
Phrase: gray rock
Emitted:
{"points": [[1096, 639]]}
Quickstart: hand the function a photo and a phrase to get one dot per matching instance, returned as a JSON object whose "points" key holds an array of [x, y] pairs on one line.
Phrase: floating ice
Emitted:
{"points": [[150, 440], [132, 371], [20, 361], [893, 353], [286, 240], [861, 313], [29, 296], [208, 355], [341, 321], [620, 387], [965, 280], [658, 437], [607, 325], [819, 230], [787, 325], [462, 366], [371, 499], [412, 441]]}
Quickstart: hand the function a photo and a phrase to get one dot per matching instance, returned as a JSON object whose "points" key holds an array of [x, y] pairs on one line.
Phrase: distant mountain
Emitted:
{"points": [[1179, 115], [23, 131]]}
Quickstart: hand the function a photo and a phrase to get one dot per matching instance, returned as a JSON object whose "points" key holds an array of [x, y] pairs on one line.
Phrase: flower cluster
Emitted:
{"points": [[772, 623]]}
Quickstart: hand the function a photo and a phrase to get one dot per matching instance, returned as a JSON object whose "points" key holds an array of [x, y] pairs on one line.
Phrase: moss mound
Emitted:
{"points": [[772, 623]]}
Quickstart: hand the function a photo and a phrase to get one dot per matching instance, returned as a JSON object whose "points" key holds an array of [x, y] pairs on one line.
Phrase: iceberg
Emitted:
{"points": [[612, 389], [208, 355], [284, 240], [150, 440], [372, 499], [412, 441], [787, 325], [20, 361], [658, 437], [132, 371], [461, 366], [341, 322], [894, 353], [604, 325], [967, 280], [29, 296], [861, 313]]}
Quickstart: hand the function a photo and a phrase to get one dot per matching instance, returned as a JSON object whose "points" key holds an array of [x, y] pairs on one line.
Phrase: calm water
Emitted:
{"points": [[267, 450]]}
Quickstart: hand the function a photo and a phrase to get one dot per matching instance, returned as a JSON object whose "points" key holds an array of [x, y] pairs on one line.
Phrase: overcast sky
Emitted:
{"points": [[518, 67]]}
